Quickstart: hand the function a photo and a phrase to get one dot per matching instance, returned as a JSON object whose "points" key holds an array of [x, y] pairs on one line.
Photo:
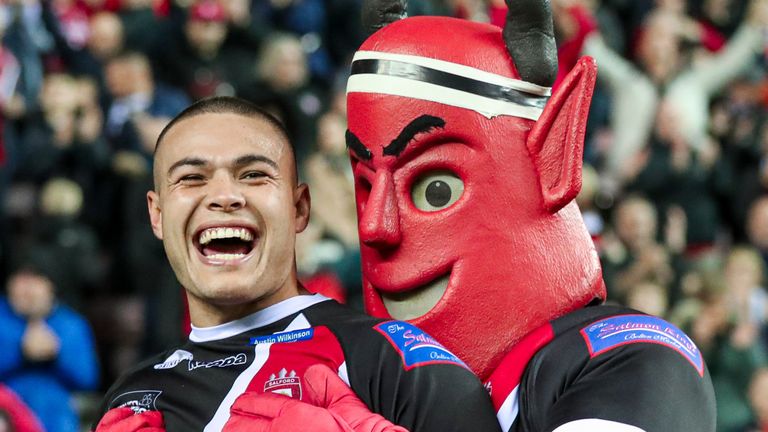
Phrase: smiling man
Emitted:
{"points": [[227, 206]]}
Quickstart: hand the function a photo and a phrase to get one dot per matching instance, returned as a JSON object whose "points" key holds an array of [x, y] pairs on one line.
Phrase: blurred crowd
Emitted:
{"points": [[675, 188]]}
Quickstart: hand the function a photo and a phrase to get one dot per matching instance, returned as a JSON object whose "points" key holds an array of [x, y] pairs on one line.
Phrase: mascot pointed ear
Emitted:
{"points": [[556, 142]]}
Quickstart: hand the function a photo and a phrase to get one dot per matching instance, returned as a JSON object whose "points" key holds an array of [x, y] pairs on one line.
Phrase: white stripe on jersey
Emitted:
{"points": [[266, 316], [241, 383], [597, 425], [343, 373], [508, 410]]}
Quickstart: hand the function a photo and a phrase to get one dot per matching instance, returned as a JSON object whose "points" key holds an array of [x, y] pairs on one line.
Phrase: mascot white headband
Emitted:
{"points": [[447, 83]]}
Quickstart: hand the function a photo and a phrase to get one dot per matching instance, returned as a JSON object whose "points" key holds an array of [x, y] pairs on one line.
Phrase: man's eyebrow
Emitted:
{"points": [[424, 123], [354, 144], [246, 160], [193, 161]]}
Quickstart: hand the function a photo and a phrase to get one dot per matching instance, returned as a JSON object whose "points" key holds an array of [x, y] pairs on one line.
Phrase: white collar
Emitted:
{"points": [[266, 316]]}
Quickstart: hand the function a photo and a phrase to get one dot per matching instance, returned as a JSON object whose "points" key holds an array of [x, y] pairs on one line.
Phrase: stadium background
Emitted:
{"points": [[677, 206]]}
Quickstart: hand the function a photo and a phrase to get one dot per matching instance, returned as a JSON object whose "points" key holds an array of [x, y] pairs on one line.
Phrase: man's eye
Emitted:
{"points": [[250, 175], [436, 190], [191, 178]]}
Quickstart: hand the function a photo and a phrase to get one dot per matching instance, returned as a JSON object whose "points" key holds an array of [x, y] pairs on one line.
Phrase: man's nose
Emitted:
{"points": [[380, 220], [224, 194]]}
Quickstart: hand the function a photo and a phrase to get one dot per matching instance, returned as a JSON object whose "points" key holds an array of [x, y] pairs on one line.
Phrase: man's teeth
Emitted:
{"points": [[225, 257], [224, 233]]}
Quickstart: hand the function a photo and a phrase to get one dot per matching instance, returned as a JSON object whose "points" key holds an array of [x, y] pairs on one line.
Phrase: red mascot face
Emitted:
{"points": [[464, 182]]}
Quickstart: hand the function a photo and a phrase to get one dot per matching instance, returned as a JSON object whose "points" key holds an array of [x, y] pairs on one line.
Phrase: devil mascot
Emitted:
{"points": [[466, 166]]}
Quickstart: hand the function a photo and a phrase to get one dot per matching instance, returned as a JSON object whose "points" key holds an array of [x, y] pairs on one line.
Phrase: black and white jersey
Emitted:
{"points": [[397, 370], [606, 369]]}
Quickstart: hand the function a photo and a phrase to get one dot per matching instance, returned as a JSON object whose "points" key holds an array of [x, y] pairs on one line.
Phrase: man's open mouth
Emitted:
{"points": [[225, 244], [416, 302]]}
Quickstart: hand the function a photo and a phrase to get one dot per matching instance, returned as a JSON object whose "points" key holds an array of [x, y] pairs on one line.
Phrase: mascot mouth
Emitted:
{"points": [[414, 303]]}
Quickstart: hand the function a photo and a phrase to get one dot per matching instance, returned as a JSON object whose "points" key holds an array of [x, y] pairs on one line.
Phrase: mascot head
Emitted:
{"points": [[466, 166]]}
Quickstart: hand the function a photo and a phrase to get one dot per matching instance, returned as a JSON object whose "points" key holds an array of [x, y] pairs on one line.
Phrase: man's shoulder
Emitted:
{"points": [[367, 337]]}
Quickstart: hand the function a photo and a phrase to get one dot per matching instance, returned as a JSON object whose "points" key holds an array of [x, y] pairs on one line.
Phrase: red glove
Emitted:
{"points": [[328, 406], [125, 420]]}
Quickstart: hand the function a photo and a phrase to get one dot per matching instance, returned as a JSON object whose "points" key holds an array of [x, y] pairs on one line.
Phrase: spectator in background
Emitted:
{"points": [[590, 185], [70, 246], [635, 255], [334, 217], [47, 348], [29, 39], [140, 107], [107, 36], [744, 274], [284, 88], [73, 20], [247, 27], [758, 401], [732, 353], [699, 175], [143, 28], [738, 121], [105, 39], [683, 78], [64, 137], [757, 226], [306, 19], [197, 60], [649, 297]]}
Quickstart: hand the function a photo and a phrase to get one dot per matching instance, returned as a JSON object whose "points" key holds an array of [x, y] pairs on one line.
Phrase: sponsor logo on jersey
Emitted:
{"points": [[416, 347], [284, 337], [138, 400], [174, 359], [284, 383], [220, 363], [179, 356], [613, 332]]}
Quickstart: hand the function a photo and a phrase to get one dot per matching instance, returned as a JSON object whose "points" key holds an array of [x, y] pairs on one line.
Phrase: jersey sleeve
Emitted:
{"points": [[405, 375], [639, 387]]}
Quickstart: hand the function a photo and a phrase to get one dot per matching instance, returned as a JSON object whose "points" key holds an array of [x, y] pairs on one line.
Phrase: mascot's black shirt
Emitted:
{"points": [[395, 368], [604, 368]]}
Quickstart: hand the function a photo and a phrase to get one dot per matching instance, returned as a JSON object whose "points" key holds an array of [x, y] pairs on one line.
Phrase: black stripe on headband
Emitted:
{"points": [[445, 79]]}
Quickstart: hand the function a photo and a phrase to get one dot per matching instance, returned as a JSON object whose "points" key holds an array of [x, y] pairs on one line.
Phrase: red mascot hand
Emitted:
{"points": [[328, 406], [125, 420]]}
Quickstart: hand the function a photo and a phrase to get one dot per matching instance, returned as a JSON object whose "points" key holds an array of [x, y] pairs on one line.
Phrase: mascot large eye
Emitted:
{"points": [[436, 190]]}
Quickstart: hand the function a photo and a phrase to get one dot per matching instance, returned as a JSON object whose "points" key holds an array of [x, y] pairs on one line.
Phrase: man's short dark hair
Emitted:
{"points": [[226, 105]]}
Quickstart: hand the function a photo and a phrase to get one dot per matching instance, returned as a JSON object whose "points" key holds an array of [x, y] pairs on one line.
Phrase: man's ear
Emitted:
{"points": [[155, 214], [556, 142], [303, 203]]}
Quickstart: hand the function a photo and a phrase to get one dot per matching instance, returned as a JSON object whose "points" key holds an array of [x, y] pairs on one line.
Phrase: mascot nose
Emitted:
{"points": [[380, 221]]}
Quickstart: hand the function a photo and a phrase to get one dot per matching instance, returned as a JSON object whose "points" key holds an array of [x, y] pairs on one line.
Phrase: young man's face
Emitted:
{"points": [[227, 207]]}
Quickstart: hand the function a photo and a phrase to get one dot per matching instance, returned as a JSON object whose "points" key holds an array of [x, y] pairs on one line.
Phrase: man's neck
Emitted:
{"points": [[205, 314]]}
